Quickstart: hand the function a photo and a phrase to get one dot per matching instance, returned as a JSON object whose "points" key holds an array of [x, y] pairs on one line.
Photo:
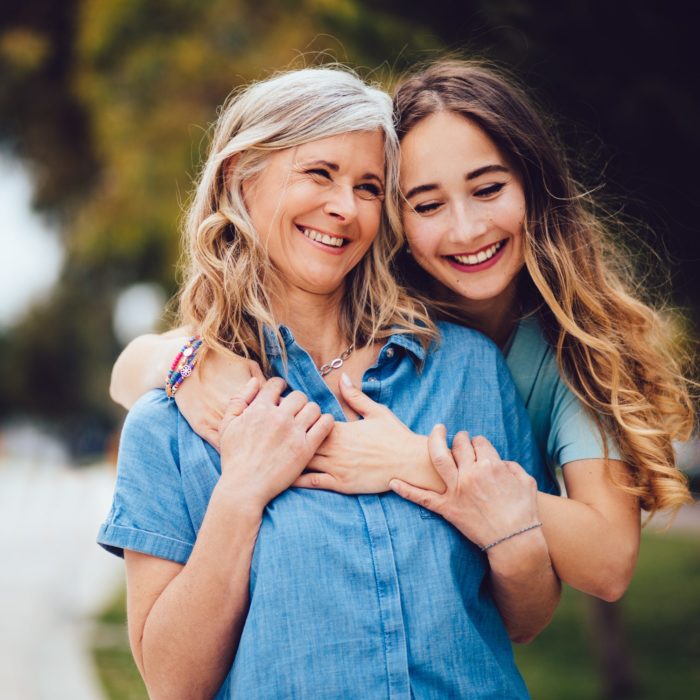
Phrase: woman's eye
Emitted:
{"points": [[427, 207], [368, 190], [320, 173], [490, 190]]}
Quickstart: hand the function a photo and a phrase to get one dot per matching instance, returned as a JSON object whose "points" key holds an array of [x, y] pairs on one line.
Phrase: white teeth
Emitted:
{"points": [[323, 238], [481, 256]]}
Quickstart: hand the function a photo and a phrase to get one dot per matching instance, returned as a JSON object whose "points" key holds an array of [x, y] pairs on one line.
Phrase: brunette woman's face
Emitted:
{"points": [[318, 207], [465, 207]]}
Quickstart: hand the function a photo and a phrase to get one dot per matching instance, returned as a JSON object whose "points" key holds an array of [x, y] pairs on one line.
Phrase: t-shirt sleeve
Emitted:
{"points": [[522, 447], [149, 513], [574, 434]]}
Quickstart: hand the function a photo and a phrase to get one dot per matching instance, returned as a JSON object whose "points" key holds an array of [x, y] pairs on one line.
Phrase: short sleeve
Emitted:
{"points": [[574, 434], [522, 447], [149, 513]]}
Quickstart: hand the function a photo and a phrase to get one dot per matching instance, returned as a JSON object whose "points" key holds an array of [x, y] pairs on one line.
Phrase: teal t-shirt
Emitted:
{"points": [[563, 429]]}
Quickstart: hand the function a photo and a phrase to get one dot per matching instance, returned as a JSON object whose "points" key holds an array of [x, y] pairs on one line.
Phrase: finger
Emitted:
{"points": [[519, 473], [484, 450], [293, 403], [441, 456], [321, 463], [308, 415], [212, 436], [463, 451], [356, 399], [422, 497], [313, 480], [318, 432], [255, 370], [271, 390], [240, 401]]}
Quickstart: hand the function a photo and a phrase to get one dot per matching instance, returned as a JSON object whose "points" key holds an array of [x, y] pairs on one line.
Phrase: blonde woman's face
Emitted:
{"points": [[465, 208], [318, 207]]}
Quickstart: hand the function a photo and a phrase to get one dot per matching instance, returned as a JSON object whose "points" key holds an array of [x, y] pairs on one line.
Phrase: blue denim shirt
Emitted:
{"points": [[350, 596]]}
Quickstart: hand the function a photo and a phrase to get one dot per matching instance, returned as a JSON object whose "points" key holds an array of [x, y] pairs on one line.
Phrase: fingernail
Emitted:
{"points": [[345, 379], [393, 484]]}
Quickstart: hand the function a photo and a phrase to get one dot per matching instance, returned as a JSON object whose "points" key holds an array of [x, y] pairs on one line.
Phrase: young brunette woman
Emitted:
{"points": [[239, 586], [501, 238]]}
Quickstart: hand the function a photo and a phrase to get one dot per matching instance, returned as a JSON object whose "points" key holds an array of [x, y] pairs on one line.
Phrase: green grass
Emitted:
{"points": [[115, 666], [661, 617]]}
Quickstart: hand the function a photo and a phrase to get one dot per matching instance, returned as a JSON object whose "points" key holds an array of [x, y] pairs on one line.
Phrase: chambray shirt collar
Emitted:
{"points": [[408, 341]]}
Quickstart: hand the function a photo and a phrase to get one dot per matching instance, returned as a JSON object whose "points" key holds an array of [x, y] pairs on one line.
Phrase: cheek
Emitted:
{"points": [[371, 221], [423, 238]]}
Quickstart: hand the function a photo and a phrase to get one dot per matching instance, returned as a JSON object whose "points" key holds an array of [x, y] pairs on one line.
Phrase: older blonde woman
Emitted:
{"points": [[239, 586]]}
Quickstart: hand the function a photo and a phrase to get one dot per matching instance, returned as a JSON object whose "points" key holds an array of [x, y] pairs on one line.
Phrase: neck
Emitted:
{"points": [[314, 321], [495, 317]]}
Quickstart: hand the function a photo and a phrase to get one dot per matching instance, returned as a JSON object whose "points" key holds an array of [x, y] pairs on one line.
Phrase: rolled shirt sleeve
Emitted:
{"points": [[149, 512]]}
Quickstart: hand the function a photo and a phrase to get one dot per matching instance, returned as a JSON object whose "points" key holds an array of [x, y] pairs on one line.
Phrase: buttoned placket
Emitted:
{"points": [[304, 375]]}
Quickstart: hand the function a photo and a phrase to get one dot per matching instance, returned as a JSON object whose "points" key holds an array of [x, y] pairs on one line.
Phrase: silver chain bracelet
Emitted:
{"points": [[512, 534]]}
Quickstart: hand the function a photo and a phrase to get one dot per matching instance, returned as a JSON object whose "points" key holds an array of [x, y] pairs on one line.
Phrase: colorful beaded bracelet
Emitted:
{"points": [[183, 365]]}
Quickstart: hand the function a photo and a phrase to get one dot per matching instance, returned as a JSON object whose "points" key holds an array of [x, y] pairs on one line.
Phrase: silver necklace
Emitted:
{"points": [[337, 363]]}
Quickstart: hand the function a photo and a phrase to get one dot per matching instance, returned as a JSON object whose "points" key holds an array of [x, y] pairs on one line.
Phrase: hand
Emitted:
{"points": [[266, 440], [486, 498], [362, 456], [203, 397]]}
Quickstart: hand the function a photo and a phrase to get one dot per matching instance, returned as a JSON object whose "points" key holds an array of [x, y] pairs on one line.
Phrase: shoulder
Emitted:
{"points": [[532, 361], [152, 422], [456, 339]]}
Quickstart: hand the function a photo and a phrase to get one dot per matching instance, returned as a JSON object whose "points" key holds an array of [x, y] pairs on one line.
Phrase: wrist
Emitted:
{"points": [[520, 556], [244, 502]]}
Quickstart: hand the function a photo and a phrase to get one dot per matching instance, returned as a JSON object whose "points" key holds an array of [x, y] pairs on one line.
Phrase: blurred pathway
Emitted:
{"points": [[53, 578]]}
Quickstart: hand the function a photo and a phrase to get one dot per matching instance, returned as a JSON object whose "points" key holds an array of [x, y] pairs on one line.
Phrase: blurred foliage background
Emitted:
{"points": [[107, 104], [108, 101]]}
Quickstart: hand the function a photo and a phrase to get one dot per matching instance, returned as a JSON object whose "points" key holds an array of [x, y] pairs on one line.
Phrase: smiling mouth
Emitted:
{"points": [[480, 257], [322, 238]]}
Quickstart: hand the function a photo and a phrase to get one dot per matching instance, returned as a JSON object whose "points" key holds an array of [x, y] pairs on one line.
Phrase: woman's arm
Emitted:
{"points": [[143, 364], [592, 536], [494, 504], [201, 399], [185, 621]]}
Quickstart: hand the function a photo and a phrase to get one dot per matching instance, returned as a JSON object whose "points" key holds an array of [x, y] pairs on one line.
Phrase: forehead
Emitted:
{"points": [[361, 150], [446, 140]]}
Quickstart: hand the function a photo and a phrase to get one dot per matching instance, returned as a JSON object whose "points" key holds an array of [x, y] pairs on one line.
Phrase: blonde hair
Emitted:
{"points": [[618, 354], [230, 282]]}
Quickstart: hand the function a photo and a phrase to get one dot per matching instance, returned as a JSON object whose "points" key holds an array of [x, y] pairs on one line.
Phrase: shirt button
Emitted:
{"points": [[390, 352], [372, 380]]}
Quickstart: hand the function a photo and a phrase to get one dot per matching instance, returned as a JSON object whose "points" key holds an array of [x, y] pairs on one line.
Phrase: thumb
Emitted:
{"points": [[422, 497], [356, 399]]}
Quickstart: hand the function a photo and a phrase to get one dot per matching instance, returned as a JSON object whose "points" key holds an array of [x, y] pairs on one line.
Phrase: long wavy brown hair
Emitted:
{"points": [[230, 282], [617, 352]]}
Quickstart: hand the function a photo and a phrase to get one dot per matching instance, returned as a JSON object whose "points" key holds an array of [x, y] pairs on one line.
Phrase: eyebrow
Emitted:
{"points": [[469, 176], [335, 168]]}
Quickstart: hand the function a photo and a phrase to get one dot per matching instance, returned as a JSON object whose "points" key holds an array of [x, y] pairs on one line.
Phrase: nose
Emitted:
{"points": [[341, 203], [467, 223]]}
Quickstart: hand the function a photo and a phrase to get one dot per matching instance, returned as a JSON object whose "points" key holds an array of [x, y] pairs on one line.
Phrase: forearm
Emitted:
{"points": [[142, 366], [590, 551], [192, 632], [524, 585]]}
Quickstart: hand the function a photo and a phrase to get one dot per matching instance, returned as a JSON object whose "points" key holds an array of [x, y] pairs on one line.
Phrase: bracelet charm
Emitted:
{"points": [[183, 365]]}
